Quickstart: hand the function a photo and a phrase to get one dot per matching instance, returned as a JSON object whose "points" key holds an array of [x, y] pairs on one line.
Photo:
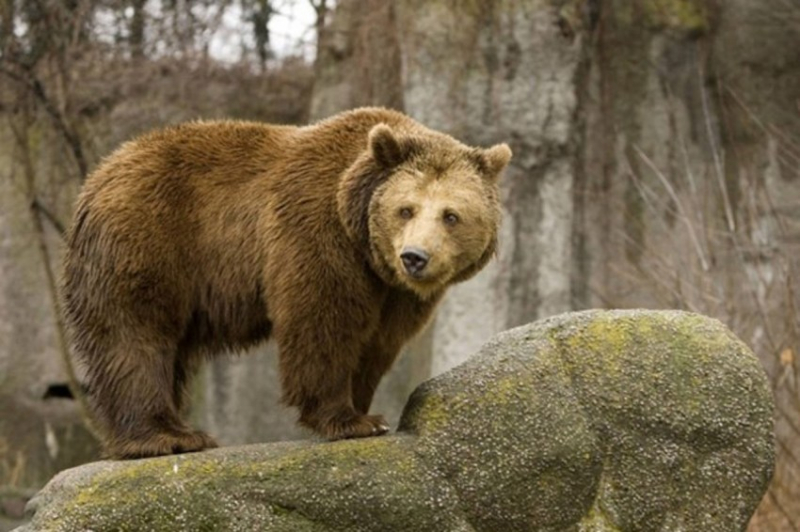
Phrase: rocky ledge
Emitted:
{"points": [[589, 421]]}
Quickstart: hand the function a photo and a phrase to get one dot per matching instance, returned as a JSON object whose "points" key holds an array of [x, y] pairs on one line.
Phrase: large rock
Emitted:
{"points": [[621, 420]]}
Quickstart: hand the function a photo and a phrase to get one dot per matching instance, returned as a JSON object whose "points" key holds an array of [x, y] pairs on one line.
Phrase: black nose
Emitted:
{"points": [[414, 260]]}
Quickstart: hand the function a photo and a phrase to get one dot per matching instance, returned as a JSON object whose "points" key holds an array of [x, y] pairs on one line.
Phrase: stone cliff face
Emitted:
{"points": [[491, 71], [592, 421]]}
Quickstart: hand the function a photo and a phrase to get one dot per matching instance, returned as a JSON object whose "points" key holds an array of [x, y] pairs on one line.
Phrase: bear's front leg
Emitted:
{"points": [[403, 315], [375, 361], [340, 421], [320, 346], [322, 391]]}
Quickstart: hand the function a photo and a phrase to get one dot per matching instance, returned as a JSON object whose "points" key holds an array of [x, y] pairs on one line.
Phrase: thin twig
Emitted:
{"points": [[684, 216], [715, 153], [36, 88], [37, 205]]}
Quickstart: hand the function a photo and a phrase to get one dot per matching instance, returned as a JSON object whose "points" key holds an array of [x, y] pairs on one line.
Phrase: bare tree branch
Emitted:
{"points": [[20, 135], [35, 87], [48, 215]]}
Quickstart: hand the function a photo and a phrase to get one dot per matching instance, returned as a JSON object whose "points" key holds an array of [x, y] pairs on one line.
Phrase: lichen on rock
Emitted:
{"points": [[687, 16], [590, 421]]}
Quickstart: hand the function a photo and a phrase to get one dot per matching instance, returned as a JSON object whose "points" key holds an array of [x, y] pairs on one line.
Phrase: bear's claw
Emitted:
{"points": [[359, 426]]}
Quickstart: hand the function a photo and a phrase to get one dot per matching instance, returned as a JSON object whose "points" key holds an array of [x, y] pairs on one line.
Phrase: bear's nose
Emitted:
{"points": [[414, 260]]}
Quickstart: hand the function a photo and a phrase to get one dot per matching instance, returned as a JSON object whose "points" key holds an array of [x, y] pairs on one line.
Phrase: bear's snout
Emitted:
{"points": [[414, 260]]}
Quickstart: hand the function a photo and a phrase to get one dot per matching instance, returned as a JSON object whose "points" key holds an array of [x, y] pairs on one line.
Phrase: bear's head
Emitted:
{"points": [[424, 206]]}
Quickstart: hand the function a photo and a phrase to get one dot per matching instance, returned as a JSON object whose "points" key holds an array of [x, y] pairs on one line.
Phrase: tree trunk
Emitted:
{"points": [[137, 27], [358, 60]]}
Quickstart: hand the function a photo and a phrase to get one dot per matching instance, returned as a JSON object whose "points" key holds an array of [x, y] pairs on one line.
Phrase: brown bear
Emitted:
{"points": [[336, 239]]}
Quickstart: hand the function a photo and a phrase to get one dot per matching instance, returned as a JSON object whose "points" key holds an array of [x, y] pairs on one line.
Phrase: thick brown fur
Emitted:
{"points": [[213, 236]]}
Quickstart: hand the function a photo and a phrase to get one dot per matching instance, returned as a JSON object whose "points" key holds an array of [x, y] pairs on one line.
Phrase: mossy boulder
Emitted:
{"points": [[612, 420], [599, 420]]}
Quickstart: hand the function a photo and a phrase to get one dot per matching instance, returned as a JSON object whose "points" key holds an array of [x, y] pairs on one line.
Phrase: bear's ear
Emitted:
{"points": [[493, 161], [384, 146]]}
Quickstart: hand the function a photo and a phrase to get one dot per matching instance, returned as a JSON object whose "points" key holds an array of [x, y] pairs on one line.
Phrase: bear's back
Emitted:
{"points": [[166, 224], [226, 150]]}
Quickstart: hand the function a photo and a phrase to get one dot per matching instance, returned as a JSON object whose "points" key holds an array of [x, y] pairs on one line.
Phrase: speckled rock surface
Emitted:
{"points": [[591, 421]]}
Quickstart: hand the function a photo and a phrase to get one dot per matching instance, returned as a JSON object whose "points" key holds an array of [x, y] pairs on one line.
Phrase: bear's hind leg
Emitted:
{"points": [[186, 366], [133, 392]]}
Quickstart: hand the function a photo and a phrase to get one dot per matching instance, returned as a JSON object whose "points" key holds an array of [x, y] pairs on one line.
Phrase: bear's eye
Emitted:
{"points": [[406, 213], [450, 218]]}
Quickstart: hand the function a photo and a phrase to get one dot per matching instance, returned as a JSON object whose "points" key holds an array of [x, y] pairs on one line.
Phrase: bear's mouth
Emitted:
{"points": [[424, 276], [423, 283]]}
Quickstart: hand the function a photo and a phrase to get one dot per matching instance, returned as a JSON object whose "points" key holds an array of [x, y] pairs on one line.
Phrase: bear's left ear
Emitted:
{"points": [[492, 161], [384, 146]]}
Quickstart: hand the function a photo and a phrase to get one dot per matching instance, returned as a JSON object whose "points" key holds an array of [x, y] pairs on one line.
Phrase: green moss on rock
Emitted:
{"points": [[687, 15], [690, 16], [592, 421]]}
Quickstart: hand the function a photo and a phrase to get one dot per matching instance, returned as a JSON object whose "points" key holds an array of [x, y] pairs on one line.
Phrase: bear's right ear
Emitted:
{"points": [[384, 146], [492, 161]]}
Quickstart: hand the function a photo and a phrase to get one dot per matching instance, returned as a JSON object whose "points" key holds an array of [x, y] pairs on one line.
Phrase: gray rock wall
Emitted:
{"points": [[501, 72]]}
